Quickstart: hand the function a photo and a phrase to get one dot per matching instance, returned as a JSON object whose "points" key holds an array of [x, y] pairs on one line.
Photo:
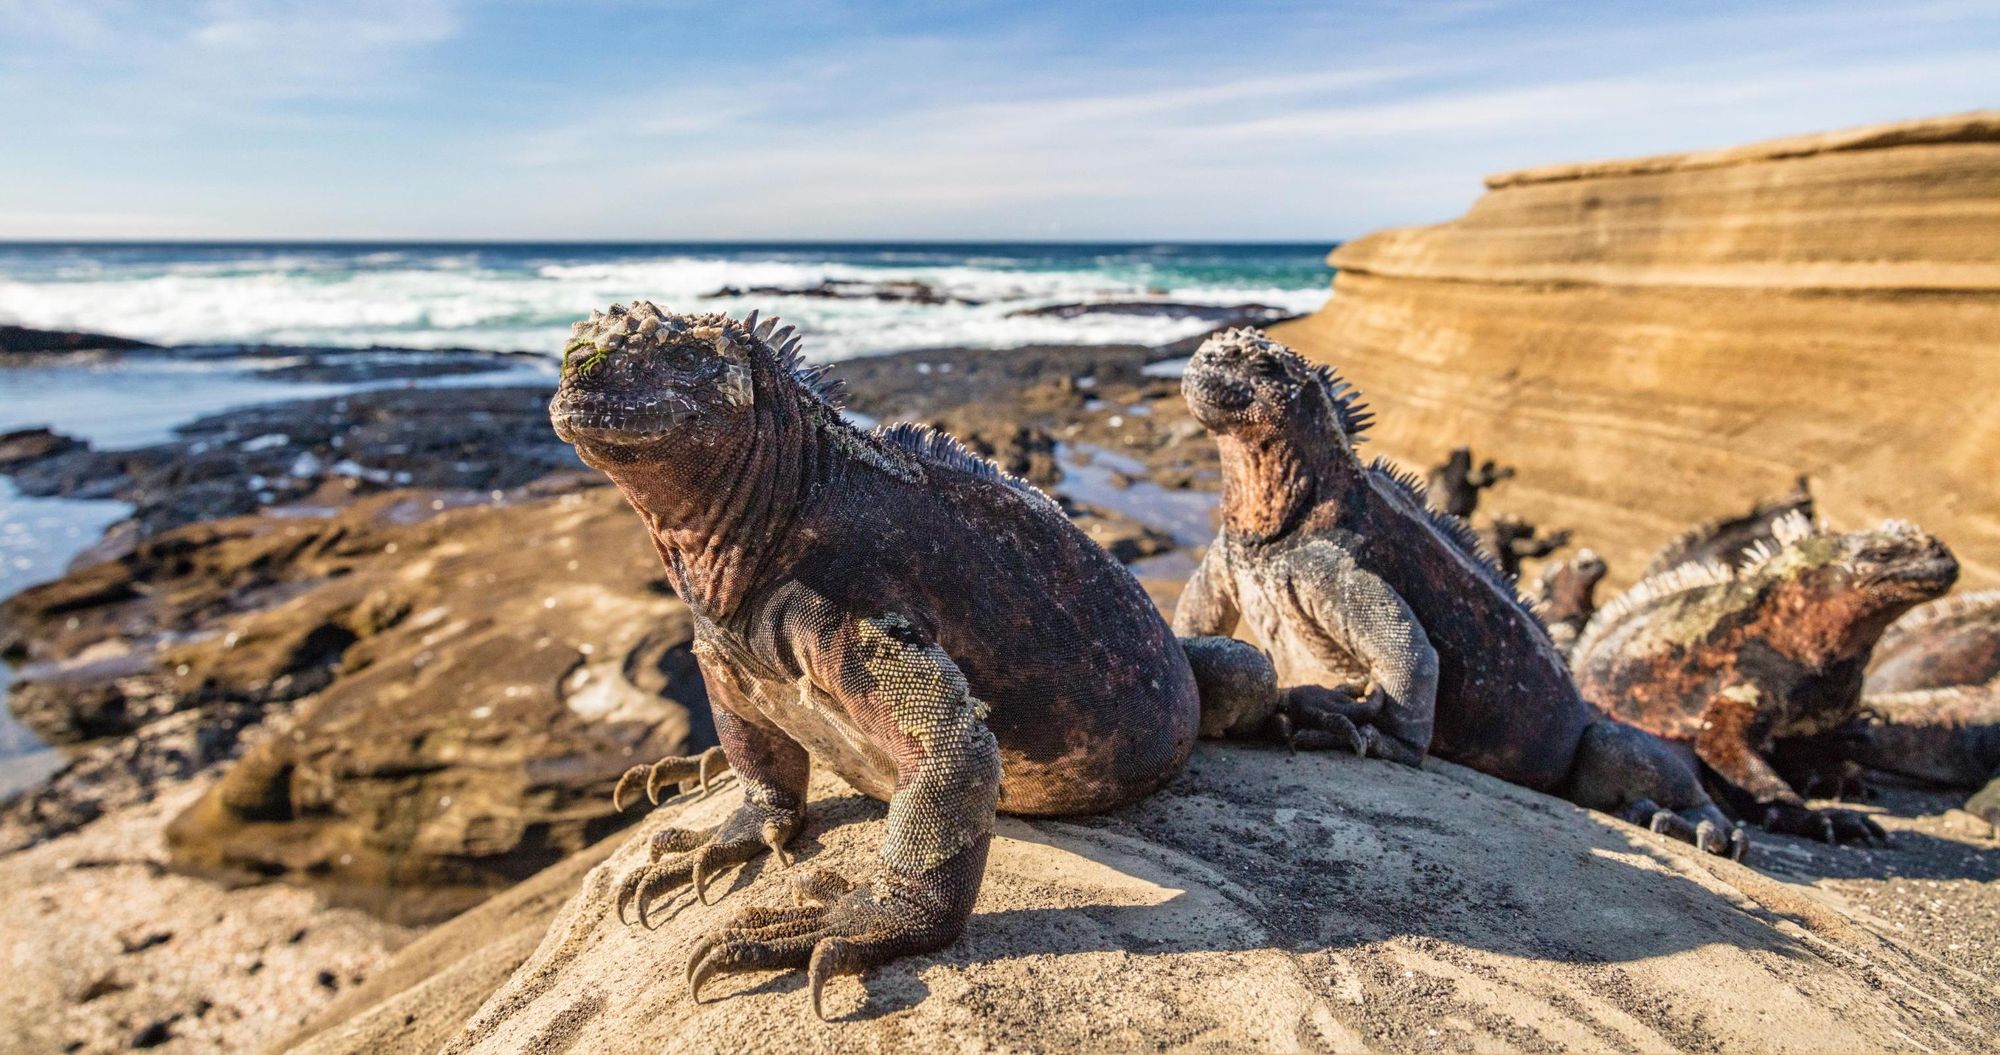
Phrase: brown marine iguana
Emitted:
{"points": [[882, 603], [1511, 540], [1724, 540], [1454, 485], [1349, 578], [1947, 736], [1735, 661], [1945, 644], [1566, 596]]}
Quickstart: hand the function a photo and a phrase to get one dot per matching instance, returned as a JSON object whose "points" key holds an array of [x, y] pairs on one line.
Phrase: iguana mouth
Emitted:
{"points": [[604, 418], [1924, 572], [1211, 396]]}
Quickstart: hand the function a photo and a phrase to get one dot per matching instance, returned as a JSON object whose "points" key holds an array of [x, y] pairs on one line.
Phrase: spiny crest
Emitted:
{"points": [[645, 325], [1982, 603], [1677, 580], [942, 448], [1455, 531], [1800, 501], [1917, 706], [1354, 415]]}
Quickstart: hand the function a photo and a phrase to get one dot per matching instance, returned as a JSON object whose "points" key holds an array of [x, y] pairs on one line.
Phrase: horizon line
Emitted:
{"points": [[642, 242]]}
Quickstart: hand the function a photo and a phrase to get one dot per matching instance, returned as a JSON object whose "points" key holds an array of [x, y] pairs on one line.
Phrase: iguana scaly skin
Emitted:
{"points": [[1943, 736], [1566, 596], [882, 603], [1349, 579], [1734, 662], [1725, 540], [1942, 645]]}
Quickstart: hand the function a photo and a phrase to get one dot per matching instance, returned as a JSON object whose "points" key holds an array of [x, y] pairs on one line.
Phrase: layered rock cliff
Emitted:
{"points": [[1653, 342]]}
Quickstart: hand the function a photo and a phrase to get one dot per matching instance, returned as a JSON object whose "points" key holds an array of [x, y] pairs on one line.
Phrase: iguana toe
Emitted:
{"points": [[689, 771], [1831, 826], [845, 934], [1702, 826], [681, 855]]}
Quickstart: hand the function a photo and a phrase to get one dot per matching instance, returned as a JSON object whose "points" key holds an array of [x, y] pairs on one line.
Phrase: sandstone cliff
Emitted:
{"points": [[1657, 341]]}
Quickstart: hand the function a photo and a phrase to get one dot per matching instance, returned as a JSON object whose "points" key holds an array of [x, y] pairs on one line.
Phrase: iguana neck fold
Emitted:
{"points": [[1270, 482], [720, 516]]}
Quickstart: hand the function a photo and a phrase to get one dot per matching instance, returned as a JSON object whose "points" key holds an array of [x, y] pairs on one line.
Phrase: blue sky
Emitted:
{"points": [[592, 119]]}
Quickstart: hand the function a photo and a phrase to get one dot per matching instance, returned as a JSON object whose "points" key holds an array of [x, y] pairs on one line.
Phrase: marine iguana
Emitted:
{"points": [[1511, 540], [1454, 485], [1945, 736], [882, 603], [1941, 645], [1724, 540], [1566, 596], [1732, 661], [1349, 578]]}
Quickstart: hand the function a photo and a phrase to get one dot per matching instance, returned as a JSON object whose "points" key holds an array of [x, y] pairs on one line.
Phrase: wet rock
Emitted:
{"points": [[899, 291], [26, 341], [508, 664], [1233, 314], [470, 681], [31, 445], [312, 454]]}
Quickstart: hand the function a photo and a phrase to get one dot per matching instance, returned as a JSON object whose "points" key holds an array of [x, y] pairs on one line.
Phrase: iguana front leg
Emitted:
{"points": [[1727, 744], [1206, 607], [1359, 613], [907, 696], [773, 769]]}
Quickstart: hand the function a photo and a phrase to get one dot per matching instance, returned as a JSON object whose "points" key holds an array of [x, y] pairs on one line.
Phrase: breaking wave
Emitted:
{"points": [[525, 297]]}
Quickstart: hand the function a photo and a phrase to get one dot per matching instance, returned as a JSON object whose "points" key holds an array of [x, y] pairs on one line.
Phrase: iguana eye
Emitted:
{"points": [[1265, 366]]}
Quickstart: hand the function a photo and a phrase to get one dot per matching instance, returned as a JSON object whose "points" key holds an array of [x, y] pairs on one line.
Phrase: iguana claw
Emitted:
{"points": [[691, 771], [680, 855], [1831, 826]]}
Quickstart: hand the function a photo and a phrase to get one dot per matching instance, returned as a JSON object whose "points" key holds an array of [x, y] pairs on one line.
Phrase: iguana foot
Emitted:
{"points": [[691, 771], [1828, 826], [1315, 718], [681, 855], [836, 928], [1704, 826]]}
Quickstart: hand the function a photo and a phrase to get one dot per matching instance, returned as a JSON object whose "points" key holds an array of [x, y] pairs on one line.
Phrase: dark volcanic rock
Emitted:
{"points": [[1234, 314], [322, 453], [902, 291], [32, 445], [21, 339]]}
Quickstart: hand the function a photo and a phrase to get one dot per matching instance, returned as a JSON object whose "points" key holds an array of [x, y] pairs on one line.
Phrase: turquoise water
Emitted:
{"points": [[523, 297]]}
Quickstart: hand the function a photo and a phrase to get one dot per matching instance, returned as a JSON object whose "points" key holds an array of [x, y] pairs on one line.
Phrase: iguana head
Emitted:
{"points": [[637, 379], [1569, 587], [1888, 569], [1241, 383]]}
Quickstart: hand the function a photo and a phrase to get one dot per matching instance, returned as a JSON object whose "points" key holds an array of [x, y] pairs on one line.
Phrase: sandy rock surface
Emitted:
{"points": [[103, 950], [1317, 903], [1656, 342]]}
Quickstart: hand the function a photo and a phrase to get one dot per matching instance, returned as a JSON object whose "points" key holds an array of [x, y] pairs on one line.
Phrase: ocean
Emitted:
{"points": [[523, 297]]}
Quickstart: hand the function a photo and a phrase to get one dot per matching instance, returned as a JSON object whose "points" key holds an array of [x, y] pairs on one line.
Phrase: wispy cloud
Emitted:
{"points": [[610, 119]]}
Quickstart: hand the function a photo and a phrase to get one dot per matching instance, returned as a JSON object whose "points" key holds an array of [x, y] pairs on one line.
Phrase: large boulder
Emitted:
{"points": [[1260, 902], [531, 655], [1658, 341], [443, 694]]}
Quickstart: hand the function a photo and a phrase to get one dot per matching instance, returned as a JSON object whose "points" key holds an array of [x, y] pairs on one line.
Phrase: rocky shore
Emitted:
{"points": [[363, 669]]}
